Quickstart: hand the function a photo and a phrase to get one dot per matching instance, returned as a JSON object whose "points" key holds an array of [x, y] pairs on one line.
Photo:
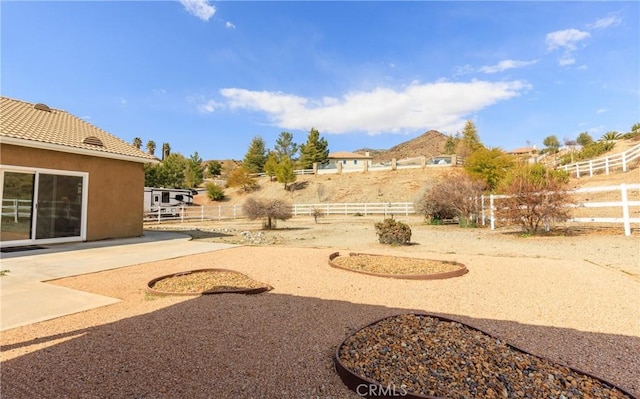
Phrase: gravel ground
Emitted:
{"points": [[206, 281], [381, 264], [423, 355], [573, 300]]}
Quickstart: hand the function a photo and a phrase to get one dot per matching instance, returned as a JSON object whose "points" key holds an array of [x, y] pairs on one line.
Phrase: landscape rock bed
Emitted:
{"points": [[205, 282], [423, 356], [397, 267]]}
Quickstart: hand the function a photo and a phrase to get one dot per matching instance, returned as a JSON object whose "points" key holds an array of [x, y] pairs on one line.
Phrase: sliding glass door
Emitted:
{"points": [[42, 206]]}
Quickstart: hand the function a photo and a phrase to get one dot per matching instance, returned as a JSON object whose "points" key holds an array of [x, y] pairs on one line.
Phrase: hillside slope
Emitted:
{"points": [[428, 144]]}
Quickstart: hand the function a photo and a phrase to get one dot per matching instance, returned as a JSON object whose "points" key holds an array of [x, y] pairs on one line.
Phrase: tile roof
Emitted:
{"points": [[37, 125], [348, 155]]}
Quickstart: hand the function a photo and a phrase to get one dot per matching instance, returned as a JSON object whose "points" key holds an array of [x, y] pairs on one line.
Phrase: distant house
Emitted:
{"points": [[349, 160], [527, 154], [64, 179]]}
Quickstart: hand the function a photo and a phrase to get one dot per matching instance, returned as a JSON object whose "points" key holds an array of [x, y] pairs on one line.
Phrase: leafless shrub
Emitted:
{"points": [[317, 213], [269, 209], [536, 195], [454, 195]]}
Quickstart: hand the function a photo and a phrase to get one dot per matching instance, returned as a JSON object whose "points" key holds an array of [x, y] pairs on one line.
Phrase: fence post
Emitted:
{"points": [[406, 209], [220, 212], [159, 209], [482, 209], [492, 216], [365, 209], [625, 210], [182, 214], [577, 171], [624, 162], [591, 168], [606, 165], [16, 207], [295, 209]]}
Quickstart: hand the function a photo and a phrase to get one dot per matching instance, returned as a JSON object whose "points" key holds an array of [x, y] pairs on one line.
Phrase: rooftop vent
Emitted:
{"points": [[93, 140], [42, 107]]}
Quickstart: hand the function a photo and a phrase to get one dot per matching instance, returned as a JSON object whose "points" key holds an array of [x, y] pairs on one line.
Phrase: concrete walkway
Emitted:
{"points": [[25, 298]]}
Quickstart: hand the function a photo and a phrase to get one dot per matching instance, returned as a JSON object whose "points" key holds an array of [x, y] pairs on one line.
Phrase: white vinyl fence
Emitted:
{"points": [[604, 165], [222, 212], [16, 209], [609, 204], [618, 211]]}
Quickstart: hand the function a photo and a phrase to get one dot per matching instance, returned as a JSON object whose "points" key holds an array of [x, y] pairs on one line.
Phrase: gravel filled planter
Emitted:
{"points": [[205, 282], [425, 356], [397, 266]]}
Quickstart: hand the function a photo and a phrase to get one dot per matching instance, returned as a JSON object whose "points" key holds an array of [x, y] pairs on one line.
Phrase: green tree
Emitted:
{"points": [[194, 173], [169, 173], [137, 142], [241, 177], [151, 147], [551, 143], [285, 147], [214, 192], [584, 139], [489, 165], [635, 128], [285, 172], [271, 165], [450, 145], [256, 156], [214, 168], [316, 150], [470, 137]]}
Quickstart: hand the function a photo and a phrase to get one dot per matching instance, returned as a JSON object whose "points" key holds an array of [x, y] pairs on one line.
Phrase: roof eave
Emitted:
{"points": [[73, 150]]}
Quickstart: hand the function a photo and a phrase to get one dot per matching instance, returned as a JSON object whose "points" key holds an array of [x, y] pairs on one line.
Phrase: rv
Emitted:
{"points": [[167, 201]]}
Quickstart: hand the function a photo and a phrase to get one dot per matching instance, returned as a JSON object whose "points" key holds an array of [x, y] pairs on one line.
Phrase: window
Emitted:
{"points": [[165, 197], [355, 161], [344, 161]]}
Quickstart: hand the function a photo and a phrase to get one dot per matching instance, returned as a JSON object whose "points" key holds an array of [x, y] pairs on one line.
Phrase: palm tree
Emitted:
{"points": [[611, 136], [151, 147], [166, 150], [137, 142]]}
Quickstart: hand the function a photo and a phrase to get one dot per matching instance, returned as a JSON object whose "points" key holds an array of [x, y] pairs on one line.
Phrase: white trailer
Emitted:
{"points": [[167, 201]]}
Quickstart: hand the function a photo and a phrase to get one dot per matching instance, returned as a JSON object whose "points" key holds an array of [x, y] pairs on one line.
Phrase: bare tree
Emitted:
{"points": [[535, 195], [269, 209], [454, 195]]}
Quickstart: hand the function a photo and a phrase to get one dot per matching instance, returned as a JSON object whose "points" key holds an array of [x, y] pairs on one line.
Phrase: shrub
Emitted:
{"points": [[317, 213], [390, 231], [270, 209], [535, 195], [214, 192], [454, 195]]}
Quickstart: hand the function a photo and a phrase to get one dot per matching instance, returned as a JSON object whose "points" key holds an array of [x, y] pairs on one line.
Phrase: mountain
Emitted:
{"points": [[428, 144]]}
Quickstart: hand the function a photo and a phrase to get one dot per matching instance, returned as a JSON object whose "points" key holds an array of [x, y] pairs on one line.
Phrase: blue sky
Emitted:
{"points": [[209, 76]]}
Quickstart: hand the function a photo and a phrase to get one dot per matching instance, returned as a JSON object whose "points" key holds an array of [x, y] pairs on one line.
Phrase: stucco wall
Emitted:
{"points": [[115, 190]]}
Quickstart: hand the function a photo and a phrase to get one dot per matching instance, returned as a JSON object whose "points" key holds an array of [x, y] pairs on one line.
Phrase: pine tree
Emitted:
{"points": [[256, 156], [470, 136], [285, 147], [271, 165], [285, 172], [315, 150]]}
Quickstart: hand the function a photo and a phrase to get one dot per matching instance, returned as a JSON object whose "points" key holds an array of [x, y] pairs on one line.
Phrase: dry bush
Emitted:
{"points": [[390, 231], [454, 195], [269, 209], [535, 195], [241, 177], [317, 213]]}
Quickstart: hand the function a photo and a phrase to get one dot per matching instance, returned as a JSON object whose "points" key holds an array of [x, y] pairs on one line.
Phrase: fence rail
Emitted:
{"points": [[624, 206], [622, 209], [604, 165], [16, 208]]}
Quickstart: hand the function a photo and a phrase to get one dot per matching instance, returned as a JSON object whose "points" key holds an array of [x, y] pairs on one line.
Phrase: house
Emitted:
{"points": [[349, 160], [63, 179]]}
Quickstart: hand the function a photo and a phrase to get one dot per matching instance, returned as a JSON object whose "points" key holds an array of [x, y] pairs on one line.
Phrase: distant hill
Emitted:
{"points": [[428, 144]]}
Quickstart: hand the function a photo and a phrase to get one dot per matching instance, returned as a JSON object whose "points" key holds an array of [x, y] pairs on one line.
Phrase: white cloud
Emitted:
{"points": [[210, 106], [464, 70], [159, 92], [229, 25], [440, 105], [123, 100], [506, 64], [565, 39], [601, 111], [566, 60], [199, 8], [606, 22]]}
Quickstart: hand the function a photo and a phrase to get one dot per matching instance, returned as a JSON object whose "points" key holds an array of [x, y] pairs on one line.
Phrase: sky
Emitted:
{"points": [[209, 76]]}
